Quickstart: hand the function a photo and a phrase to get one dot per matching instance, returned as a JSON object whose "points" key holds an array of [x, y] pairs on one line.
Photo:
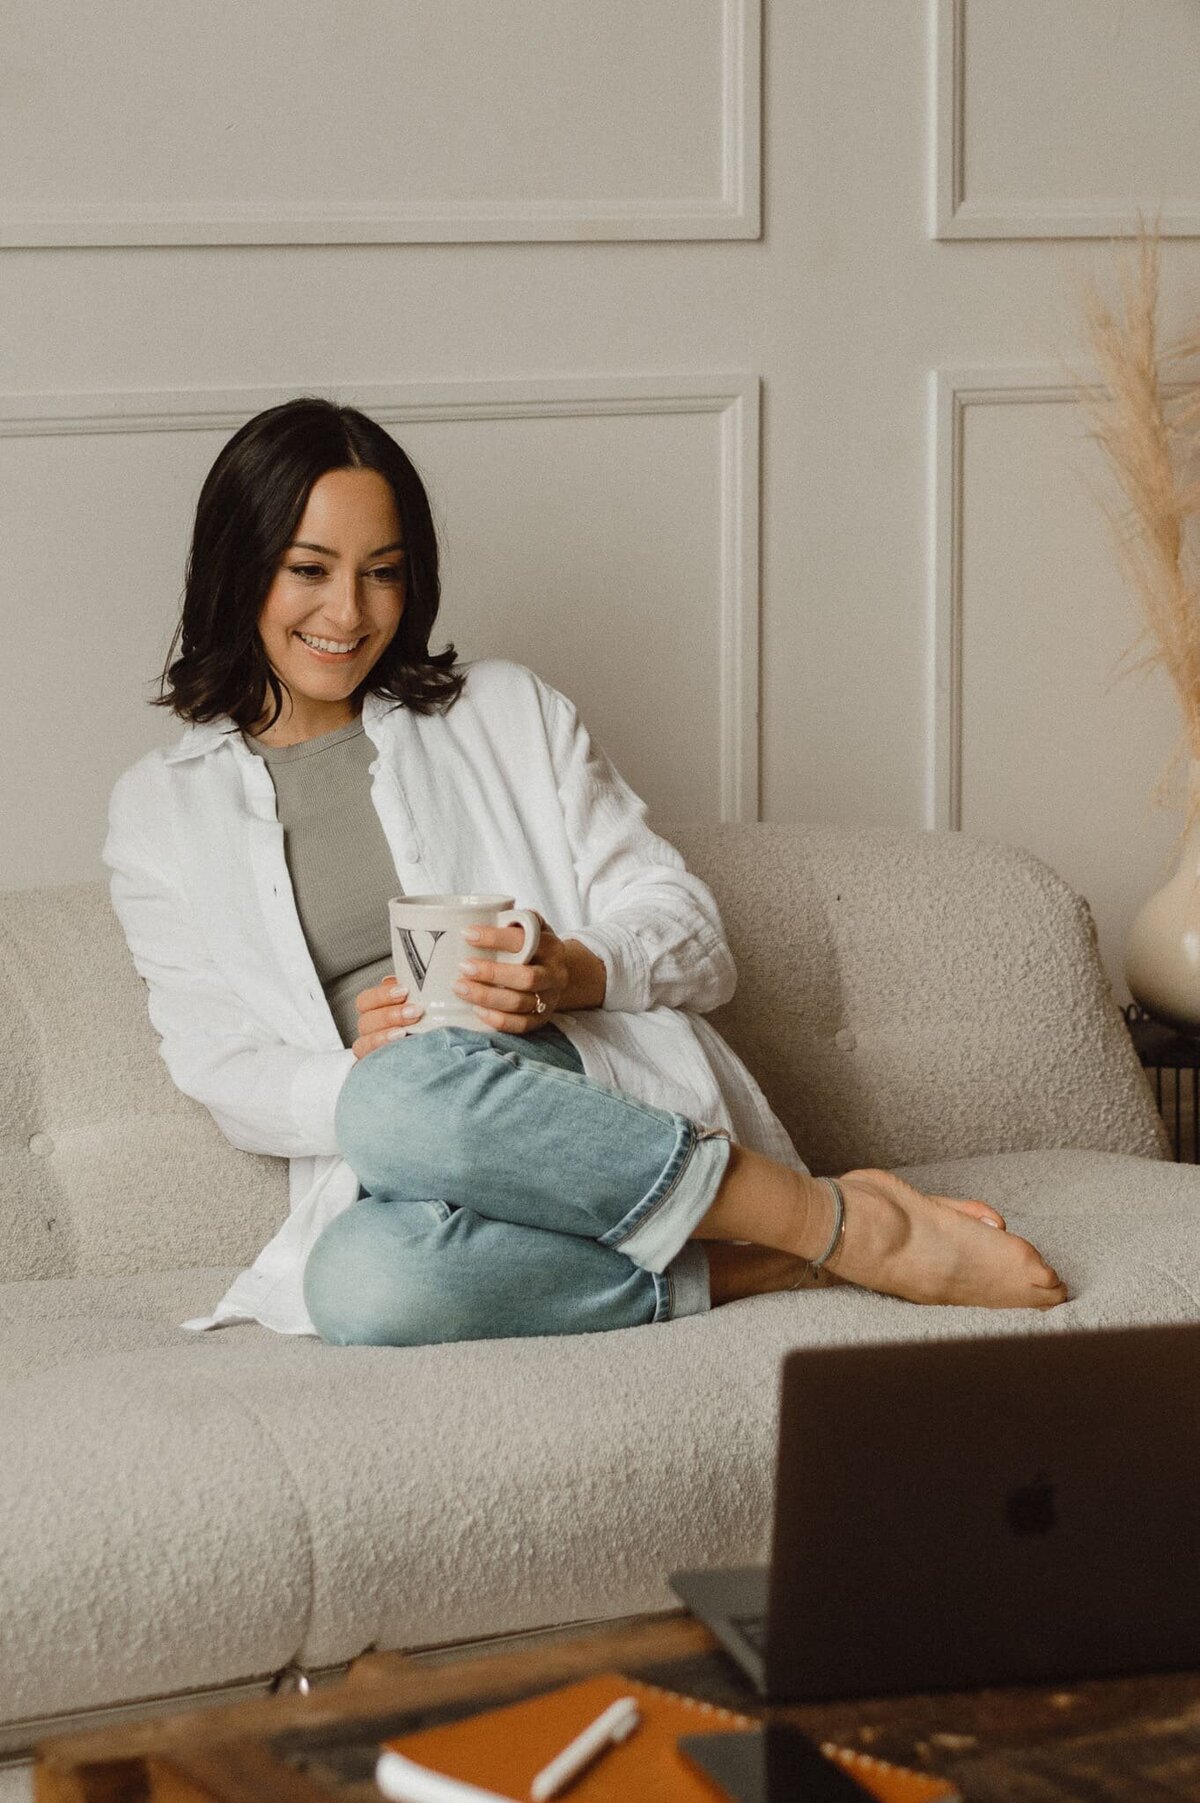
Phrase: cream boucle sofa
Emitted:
{"points": [[180, 1512]]}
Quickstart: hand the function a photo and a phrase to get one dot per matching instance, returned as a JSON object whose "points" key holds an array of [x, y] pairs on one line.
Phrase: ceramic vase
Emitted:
{"points": [[1162, 956]]}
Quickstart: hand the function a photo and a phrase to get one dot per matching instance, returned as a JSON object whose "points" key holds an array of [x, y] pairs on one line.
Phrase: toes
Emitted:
{"points": [[978, 1211], [1038, 1274]]}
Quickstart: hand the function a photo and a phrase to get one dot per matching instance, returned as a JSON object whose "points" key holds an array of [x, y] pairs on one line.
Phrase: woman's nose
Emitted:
{"points": [[348, 606]]}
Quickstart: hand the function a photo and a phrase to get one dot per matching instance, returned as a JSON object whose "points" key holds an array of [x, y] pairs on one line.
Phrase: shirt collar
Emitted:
{"points": [[198, 740]]}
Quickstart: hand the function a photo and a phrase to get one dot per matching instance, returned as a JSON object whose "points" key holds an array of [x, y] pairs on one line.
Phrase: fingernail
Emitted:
{"points": [[468, 967], [398, 1033], [988, 1223], [471, 933], [394, 983], [412, 1013]]}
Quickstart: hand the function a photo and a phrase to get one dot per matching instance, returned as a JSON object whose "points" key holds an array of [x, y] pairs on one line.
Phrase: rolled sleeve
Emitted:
{"points": [[655, 926], [628, 986]]}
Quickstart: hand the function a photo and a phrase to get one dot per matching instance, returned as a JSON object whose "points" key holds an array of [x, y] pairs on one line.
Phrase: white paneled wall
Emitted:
{"points": [[290, 121], [563, 251]]}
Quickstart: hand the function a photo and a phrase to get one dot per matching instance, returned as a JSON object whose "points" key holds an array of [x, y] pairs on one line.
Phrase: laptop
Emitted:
{"points": [[958, 1513]]}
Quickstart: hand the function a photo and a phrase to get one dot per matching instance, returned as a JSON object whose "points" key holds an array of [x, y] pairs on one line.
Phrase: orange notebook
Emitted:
{"points": [[503, 1750]]}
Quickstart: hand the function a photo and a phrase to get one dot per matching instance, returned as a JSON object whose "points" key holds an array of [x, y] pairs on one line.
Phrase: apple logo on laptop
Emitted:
{"points": [[1030, 1509]]}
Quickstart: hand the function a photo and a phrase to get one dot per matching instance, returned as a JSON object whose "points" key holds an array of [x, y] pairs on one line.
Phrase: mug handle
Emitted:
{"points": [[531, 926]]}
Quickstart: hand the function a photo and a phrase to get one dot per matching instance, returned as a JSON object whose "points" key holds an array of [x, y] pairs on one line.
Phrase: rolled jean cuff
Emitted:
{"points": [[686, 1281], [657, 1227]]}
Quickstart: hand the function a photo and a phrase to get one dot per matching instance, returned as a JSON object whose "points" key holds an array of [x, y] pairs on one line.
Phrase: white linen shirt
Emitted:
{"points": [[504, 792]]}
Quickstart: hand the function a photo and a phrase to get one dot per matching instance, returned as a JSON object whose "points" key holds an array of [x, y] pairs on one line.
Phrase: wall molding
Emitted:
{"points": [[733, 398], [952, 392], [736, 212], [954, 216]]}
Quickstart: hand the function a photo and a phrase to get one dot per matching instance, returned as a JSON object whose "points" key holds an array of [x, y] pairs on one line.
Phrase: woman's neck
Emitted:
{"points": [[291, 730]]}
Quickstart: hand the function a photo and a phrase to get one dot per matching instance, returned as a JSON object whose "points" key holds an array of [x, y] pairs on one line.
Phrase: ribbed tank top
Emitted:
{"points": [[338, 859]]}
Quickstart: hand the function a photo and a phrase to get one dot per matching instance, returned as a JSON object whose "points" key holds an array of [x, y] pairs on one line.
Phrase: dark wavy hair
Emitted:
{"points": [[250, 506]]}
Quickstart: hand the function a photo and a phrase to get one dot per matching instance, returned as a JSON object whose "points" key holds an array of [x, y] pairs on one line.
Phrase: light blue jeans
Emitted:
{"points": [[502, 1192]]}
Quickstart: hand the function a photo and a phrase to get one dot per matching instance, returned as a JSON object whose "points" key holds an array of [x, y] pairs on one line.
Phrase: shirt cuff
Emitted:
{"points": [[315, 1090], [627, 984]]}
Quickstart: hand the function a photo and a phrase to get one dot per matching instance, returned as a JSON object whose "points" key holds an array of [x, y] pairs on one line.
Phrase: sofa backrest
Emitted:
{"points": [[910, 996], [901, 997]]}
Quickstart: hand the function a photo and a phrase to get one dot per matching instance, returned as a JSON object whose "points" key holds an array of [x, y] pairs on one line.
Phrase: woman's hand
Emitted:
{"points": [[384, 1013], [505, 996]]}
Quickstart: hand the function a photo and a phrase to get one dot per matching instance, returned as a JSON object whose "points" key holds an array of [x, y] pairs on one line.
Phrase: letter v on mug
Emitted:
{"points": [[428, 946]]}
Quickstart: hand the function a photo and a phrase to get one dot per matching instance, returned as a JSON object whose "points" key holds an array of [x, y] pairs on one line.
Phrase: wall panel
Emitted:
{"points": [[1039, 739], [378, 121], [604, 533], [1057, 118]]}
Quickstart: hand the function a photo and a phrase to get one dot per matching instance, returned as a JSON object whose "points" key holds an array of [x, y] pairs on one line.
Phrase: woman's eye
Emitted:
{"points": [[388, 572], [308, 570]]}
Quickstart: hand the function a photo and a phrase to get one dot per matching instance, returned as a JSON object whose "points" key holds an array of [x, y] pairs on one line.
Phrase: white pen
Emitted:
{"points": [[407, 1782], [617, 1723]]}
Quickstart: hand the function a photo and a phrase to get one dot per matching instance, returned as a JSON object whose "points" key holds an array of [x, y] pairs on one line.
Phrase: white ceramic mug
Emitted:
{"points": [[428, 947]]}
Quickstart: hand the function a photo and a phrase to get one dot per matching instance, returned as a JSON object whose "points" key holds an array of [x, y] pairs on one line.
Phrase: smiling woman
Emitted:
{"points": [[571, 1164], [313, 521]]}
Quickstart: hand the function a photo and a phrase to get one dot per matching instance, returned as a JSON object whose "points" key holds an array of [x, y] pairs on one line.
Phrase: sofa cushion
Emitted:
{"points": [[72, 1320], [1121, 1232], [195, 1509], [155, 1539], [104, 1165]]}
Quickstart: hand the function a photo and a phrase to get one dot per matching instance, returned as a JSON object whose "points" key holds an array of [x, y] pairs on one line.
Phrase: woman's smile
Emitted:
{"points": [[331, 651]]}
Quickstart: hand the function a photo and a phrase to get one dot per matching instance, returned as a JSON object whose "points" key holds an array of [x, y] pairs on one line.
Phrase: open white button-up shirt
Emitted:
{"points": [[503, 793]]}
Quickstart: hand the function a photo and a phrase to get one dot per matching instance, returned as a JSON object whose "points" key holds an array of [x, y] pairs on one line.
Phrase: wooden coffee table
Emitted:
{"points": [[1109, 1738]]}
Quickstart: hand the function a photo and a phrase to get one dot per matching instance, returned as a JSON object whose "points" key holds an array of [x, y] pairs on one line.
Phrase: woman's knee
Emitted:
{"points": [[396, 1113], [367, 1282]]}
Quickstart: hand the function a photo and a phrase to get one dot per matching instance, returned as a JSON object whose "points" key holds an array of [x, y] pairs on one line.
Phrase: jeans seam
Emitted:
{"points": [[667, 1183]]}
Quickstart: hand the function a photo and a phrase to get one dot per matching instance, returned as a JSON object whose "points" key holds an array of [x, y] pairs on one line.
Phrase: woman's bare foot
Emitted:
{"points": [[737, 1270], [933, 1248], [896, 1240]]}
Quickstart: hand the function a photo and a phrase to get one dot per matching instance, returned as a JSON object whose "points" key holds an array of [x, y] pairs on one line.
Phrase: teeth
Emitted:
{"points": [[328, 644]]}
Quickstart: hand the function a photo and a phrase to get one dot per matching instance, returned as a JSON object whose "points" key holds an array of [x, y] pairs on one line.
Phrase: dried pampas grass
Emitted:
{"points": [[1145, 416]]}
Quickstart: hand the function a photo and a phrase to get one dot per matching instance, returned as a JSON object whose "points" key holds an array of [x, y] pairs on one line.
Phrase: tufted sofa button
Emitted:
{"points": [[845, 1039], [41, 1145]]}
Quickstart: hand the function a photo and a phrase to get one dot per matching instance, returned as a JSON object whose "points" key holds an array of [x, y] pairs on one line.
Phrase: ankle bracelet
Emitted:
{"points": [[839, 1225]]}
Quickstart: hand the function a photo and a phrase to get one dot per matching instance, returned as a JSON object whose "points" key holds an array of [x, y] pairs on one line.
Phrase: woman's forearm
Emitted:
{"points": [[588, 978]]}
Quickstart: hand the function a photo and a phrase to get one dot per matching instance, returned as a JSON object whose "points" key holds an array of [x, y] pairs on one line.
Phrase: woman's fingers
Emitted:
{"points": [[384, 1013], [517, 1000]]}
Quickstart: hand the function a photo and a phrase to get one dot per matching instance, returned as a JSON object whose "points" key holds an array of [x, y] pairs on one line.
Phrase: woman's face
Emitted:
{"points": [[340, 582]]}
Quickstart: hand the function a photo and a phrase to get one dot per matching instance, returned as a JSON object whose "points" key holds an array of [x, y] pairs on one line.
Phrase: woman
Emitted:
{"points": [[594, 1155]]}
